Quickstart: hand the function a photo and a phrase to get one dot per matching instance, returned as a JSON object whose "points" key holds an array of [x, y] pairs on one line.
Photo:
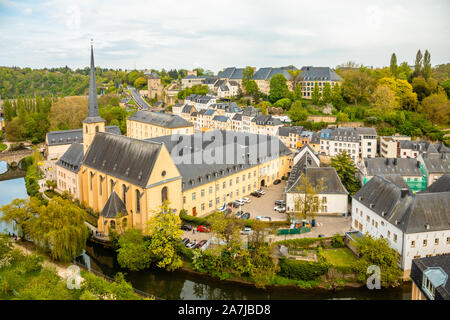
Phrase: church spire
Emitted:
{"points": [[93, 115]]}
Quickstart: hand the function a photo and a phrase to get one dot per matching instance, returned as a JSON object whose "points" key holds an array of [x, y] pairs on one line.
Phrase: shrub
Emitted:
{"points": [[337, 241], [302, 270], [301, 242]]}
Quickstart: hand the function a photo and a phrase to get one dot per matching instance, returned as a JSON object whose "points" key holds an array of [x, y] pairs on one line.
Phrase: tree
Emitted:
{"points": [[59, 228], [405, 98], [418, 64], [426, 65], [297, 113], [284, 103], [315, 96], [263, 106], [358, 85], [446, 86], [140, 83], [346, 170], [436, 108], [307, 202], [326, 93], [404, 71], [50, 184], [394, 67], [20, 213], [133, 250], [68, 113], [378, 252], [164, 230], [251, 88], [225, 228], [336, 97], [384, 99], [278, 88], [247, 75], [421, 87], [296, 77]]}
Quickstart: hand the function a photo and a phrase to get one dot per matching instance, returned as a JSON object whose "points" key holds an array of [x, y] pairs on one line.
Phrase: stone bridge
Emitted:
{"points": [[13, 157], [12, 174]]}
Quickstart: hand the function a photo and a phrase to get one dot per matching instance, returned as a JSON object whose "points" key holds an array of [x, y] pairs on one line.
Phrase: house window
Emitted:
{"points": [[389, 234], [124, 194], [184, 199], [138, 201], [425, 242], [448, 240], [203, 192], [395, 237], [210, 189], [436, 241], [203, 207], [193, 195], [413, 244], [164, 196], [210, 203], [324, 199]]}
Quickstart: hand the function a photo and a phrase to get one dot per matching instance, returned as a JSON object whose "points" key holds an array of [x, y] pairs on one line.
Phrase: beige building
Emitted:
{"points": [[390, 146], [155, 87], [148, 124], [321, 76], [67, 168]]}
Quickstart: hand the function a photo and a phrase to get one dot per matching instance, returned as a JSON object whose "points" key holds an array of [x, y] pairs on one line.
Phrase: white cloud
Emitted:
{"points": [[175, 34]]}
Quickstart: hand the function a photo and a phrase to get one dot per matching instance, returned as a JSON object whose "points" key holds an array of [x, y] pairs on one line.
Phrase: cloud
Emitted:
{"points": [[182, 34]]}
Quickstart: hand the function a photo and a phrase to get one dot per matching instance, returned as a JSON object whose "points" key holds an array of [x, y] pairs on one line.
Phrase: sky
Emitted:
{"points": [[217, 34]]}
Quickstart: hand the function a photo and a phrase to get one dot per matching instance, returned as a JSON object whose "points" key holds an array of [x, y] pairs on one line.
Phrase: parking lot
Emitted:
{"points": [[264, 205]]}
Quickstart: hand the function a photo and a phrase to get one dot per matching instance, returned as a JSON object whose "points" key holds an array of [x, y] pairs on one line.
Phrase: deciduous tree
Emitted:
{"points": [[346, 170]]}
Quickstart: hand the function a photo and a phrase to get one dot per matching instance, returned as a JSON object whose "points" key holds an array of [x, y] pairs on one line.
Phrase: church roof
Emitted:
{"points": [[126, 158], [93, 115], [113, 206], [165, 120], [71, 159]]}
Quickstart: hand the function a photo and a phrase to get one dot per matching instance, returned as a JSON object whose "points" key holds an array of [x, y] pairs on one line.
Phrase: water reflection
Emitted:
{"points": [[182, 285]]}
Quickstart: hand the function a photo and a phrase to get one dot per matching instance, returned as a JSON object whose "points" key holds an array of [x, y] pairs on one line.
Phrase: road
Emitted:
{"points": [[138, 99]]}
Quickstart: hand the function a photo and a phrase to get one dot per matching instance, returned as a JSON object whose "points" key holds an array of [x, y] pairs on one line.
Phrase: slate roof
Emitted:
{"points": [[219, 83], [267, 120], [419, 266], [231, 73], [250, 111], [440, 185], [224, 88], [268, 72], [210, 80], [199, 98], [402, 166], [62, 137], [165, 120], [209, 112], [196, 174], [220, 118], [187, 108], [310, 73], [285, 131], [113, 206], [340, 134], [414, 145], [71, 159], [410, 212], [436, 162], [368, 131], [237, 117], [152, 75], [129, 159]]}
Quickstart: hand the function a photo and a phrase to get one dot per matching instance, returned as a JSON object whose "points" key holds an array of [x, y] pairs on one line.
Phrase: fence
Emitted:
{"points": [[110, 279], [300, 230]]}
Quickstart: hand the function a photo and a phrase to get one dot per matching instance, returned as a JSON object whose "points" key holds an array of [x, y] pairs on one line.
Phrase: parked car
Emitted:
{"points": [[234, 204], [277, 181], [203, 229], [255, 194], [201, 243], [246, 200], [246, 215], [192, 244], [280, 203], [240, 202], [321, 236], [239, 213], [261, 191], [247, 230], [280, 209], [185, 241], [266, 219], [186, 227]]}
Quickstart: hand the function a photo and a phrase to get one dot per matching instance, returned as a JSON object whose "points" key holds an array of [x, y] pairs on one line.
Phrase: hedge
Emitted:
{"points": [[301, 242], [302, 270], [193, 220]]}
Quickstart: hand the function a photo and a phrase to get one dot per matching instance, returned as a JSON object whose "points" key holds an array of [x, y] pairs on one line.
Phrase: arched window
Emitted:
{"points": [[112, 185], [138, 201], [86, 129], [164, 196], [112, 224], [96, 128], [124, 194]]}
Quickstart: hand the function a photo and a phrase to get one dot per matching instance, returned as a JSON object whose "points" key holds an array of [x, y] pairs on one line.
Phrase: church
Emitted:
{"points": [[127, 180]]}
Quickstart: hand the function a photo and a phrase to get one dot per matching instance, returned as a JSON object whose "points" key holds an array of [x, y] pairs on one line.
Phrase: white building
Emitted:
{"points": [[367, 142], [416, 225], [333, 199]]}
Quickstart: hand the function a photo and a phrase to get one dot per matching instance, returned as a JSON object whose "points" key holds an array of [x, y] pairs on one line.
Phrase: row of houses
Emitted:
{"points": [[229, 80]]}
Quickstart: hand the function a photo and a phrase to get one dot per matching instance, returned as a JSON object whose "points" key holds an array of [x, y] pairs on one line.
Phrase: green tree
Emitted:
{"points": [[336, 97], [394, 67], [418, 64], [284, 103], [307, 202], [247, 75], [378, 252], [426, 65], [133, 252], [296, 78], [20, 213], [326, 93], [278, 88], [346, 170], [384, 99], [315, 96], [436, 108], [446, 86], [59, 228], [404, 71], [164, 230], [297, 113], [358, 85], [140, 83]]}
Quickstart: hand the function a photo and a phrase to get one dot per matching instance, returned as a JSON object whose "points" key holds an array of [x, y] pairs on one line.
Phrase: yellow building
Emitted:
{"points": [[148, 124]]}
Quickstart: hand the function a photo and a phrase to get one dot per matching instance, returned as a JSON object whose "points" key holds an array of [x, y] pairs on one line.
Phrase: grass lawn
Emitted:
{"points": [[340, 257], [3, 147]]}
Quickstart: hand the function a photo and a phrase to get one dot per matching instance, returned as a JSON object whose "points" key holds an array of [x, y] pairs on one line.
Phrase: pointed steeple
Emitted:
{"points": [[93, 115]]}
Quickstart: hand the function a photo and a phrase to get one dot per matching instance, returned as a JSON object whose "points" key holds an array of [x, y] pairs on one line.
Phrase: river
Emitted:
{"points": [[182, 285]]}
